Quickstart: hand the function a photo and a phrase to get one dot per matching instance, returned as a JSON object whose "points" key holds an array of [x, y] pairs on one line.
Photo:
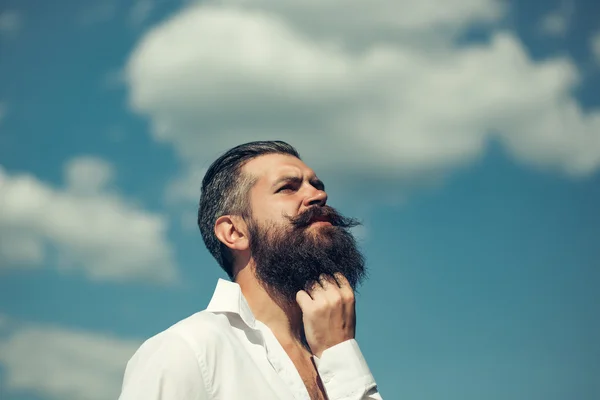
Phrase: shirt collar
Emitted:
{"points": [[228, 297]]}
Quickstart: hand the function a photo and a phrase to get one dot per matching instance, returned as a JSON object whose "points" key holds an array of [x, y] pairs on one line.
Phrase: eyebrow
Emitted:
{"points": [[316, 182]]}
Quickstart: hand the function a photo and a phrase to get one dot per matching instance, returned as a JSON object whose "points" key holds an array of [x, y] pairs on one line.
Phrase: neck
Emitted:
{"points": [[282, 317]]}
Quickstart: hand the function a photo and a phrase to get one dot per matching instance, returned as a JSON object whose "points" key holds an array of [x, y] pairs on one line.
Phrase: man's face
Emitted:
{"points": [[294, 235], [285, 187]]}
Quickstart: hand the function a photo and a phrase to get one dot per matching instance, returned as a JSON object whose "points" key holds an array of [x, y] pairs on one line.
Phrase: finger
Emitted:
{"points": [[341, 280], [304, 300], [312, 288], [345, 287], [332, 291], [316, 290], [327, 282]]}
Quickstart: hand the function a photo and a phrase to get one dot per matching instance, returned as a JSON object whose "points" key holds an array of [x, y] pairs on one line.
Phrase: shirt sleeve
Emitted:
{"points": [[164, 368], [345, 373]]}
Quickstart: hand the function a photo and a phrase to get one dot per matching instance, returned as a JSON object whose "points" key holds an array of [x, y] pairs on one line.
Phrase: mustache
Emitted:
{"points": [[323, 213]]}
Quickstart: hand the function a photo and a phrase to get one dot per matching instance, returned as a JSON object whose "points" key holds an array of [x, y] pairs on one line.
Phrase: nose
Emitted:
{"points": [[315, 198]]}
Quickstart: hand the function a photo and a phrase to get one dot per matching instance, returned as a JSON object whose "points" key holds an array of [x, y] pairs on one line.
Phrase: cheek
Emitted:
{"points": [[274, 210], [261, 209], [277, 211]]}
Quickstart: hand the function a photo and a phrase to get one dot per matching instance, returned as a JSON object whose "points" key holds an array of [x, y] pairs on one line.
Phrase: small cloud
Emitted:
{"points": [[557, 23], [140, 11], [88, 175], [10, 22], [595, 47], [554, 24]]}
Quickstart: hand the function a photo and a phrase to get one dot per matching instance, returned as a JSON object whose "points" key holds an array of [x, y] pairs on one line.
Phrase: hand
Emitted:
{"points": [[328, 313]]}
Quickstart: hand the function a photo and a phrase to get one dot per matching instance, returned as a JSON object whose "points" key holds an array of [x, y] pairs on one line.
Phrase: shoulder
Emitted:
{"points": [[193, 335], [201, 331], [177, 356]]}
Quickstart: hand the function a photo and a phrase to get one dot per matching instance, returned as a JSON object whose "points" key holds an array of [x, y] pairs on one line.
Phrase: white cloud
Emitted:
{"points": [[10, 22], [557, 22], [354, 21], [215, 76], [595, 46], [95, 231], [64, 364]]}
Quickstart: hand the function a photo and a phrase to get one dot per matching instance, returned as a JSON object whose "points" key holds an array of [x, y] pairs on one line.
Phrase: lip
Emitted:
{"points": [[320, 222]]}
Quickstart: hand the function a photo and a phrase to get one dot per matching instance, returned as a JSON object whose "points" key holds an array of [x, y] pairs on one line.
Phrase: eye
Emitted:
{"points": [[285, 188]]}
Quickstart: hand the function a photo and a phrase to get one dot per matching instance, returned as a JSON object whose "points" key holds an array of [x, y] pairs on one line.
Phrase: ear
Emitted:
{"points": [[232, 230]]}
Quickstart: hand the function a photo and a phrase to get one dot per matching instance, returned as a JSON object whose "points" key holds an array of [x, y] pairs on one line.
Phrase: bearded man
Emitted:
{"points": [[283, 327]]}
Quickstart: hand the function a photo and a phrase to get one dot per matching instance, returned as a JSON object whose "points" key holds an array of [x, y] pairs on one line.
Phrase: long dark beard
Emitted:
{"points": [[289, 259]]}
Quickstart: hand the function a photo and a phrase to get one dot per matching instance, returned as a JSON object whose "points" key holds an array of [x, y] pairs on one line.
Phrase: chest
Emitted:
{"points": [[246, 370], [311, 380], [303, 363]]}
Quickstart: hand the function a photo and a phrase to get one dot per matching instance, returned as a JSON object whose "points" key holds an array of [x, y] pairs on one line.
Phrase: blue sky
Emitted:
{"points": [[466, 138]]}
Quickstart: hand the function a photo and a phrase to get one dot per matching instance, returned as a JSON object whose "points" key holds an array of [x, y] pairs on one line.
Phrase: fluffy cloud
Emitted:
{"points": [[358, 23], [63, 364], [359, 89], [94, 230]]}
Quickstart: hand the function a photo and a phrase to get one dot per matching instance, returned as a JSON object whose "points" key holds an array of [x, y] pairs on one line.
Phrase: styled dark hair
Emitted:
{"points": [[225, 192]]}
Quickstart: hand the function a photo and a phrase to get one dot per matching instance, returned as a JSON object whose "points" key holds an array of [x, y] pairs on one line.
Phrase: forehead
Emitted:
{"points": [[270, 167]]}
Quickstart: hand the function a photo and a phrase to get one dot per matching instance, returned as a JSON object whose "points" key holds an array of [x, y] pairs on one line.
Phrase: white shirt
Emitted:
{"points": [[224, 353]]}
